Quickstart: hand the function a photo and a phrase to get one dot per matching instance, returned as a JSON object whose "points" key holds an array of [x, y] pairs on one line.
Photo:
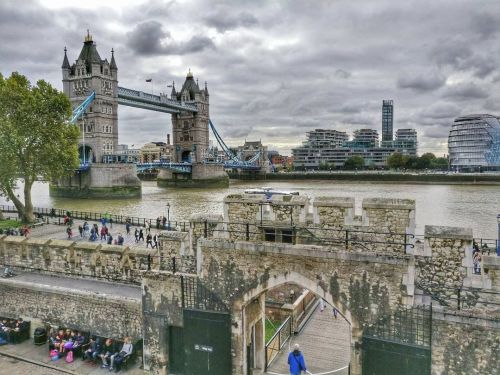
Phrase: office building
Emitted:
{"points": [[387, 120], [474, 143]]}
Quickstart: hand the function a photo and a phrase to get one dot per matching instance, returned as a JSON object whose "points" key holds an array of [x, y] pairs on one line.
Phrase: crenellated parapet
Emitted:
{"points": [[79, 259]]}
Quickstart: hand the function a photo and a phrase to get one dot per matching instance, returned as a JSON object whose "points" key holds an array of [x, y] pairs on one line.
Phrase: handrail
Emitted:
{"points": [[280, 337]]}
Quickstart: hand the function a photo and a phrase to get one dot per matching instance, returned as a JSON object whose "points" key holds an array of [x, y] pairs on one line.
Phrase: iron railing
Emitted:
{"points": [[460, 298], [57, 213], [197, 296], [409, 325], [278, 340]]}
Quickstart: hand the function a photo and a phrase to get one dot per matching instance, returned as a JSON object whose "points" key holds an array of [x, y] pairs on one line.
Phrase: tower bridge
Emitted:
{"points": [[91, 84]]}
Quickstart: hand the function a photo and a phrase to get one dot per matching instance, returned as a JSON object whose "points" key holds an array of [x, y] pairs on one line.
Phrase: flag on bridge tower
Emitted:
{"points": [[149, 80]]}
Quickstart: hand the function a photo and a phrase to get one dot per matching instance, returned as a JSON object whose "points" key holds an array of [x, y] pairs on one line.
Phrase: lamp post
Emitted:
{"points": [[498, 240], [168, 215]]}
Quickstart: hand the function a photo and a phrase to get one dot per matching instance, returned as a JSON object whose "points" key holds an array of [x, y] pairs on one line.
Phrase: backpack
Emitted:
{"points": [[69, 357]]}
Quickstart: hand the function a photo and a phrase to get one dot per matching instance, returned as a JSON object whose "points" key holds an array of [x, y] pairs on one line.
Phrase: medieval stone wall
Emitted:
{"points": [[101, 315], [162, 307], [386, 225], [87, 259], [464, 345]]}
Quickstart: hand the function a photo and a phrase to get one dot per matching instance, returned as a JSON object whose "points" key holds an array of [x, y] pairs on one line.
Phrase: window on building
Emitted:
{"points": [[270, 234]]}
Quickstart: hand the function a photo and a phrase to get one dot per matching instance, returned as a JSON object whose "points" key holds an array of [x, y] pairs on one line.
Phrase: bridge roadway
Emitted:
{"points": [[324, 342]]}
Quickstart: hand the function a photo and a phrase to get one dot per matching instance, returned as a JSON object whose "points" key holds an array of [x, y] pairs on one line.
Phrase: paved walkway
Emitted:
{"points": [[55, 231], [88, 285], [38, 356], [325, 343]]}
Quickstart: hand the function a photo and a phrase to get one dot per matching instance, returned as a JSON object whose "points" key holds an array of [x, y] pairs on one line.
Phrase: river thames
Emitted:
{"points": [[474, 206]]}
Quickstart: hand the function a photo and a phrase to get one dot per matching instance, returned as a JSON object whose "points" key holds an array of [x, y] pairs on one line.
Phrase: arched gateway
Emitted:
{"points": [[359, 264]]}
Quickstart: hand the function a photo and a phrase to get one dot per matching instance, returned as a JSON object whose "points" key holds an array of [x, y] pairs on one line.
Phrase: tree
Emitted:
{"points": [[35, 138], [396, 160], [354, 162], [425, 161], [439, 163]]}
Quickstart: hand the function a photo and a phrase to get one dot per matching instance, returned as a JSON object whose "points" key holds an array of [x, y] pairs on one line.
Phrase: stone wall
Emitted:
{"points": [[386, 225], [364, 287], [162, 307], [87, 259], [100, 181], [443, 265], [464, 345], [102, 315]]}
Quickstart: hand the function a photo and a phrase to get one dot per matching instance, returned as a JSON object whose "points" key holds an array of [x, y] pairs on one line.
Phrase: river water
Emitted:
{"points": [[474, 206]]}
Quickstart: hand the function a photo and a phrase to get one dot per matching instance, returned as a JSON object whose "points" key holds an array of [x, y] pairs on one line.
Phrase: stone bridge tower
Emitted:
{"points": [[190, 130], [99, 126]]}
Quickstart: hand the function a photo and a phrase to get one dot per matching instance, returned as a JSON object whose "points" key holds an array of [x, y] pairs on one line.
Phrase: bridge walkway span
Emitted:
{"points": [[325, 343]]}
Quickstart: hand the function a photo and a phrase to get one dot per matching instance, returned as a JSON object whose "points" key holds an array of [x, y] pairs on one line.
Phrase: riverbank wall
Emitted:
{"points": [[383, 178]]}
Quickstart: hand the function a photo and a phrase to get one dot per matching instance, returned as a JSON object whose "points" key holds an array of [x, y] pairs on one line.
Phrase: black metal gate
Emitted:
{"points": [[399, 344], [207, 343], [203, 345]]}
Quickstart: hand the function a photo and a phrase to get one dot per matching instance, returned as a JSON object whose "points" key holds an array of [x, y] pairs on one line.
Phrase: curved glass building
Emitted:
{"points": [[474, 143]]}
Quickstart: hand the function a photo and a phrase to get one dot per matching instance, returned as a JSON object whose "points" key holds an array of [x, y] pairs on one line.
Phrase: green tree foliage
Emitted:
{"points": [[35, 138], [354, 162], [439, 163], [397, 160], [426, 161]]}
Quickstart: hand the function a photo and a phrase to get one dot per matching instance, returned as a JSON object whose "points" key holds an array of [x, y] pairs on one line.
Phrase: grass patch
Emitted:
{"points": [[271, 328], [6, 224]]}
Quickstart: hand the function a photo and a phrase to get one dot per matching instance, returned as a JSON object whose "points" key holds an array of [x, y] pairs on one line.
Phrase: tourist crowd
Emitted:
{"points": [[68, 344]]}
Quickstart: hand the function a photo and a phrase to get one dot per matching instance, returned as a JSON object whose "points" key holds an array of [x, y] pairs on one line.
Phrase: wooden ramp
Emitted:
{"points": [[324, 342]]}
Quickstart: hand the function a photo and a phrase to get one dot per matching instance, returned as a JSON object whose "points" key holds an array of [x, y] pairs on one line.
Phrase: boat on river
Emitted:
{"points": [[270, 191]]}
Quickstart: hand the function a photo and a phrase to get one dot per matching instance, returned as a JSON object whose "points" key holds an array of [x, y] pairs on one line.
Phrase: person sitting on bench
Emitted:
{"points": [[117, 359], [107, 351]]}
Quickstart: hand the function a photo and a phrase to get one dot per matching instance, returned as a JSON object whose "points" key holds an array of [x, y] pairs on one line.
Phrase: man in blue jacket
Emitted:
{"points": [[296, 361]]}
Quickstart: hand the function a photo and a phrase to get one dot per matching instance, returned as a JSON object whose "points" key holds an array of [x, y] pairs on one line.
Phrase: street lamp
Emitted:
{"points": [[168, 214]]}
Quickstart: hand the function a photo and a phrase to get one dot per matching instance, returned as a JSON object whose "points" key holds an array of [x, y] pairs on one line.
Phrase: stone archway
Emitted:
{"points": [[246, 320], [86, 154]]}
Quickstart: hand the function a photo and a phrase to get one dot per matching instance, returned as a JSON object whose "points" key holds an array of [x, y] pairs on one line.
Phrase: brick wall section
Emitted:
{"points": [[463, 345], [101, 315]]}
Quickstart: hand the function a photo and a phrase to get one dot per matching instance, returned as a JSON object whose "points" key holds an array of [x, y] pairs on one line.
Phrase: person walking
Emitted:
{"points": [[127, 227], [141, 235], [136, 234], [149, 240], [296, 361], [155, 241]]}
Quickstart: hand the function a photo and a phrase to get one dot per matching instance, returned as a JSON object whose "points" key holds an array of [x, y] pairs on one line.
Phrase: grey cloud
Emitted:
{"points": [[280, 68], [441, 110], [465, 91], [422, 82], [149, 38], [222, 21], [450, 52], [341, 73]]}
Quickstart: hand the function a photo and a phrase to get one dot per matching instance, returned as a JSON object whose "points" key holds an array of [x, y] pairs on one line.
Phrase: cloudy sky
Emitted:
{"points": [[276, 69]]}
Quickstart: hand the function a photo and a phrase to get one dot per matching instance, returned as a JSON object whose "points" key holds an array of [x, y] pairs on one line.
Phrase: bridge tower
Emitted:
{"points": [[99, 126], [98, 129], [190, 129]]}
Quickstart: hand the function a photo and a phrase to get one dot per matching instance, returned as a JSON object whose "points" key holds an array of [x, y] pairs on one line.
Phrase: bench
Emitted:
{"points": [[13, 334]]}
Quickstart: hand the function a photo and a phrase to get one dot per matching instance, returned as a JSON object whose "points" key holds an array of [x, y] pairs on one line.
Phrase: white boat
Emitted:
{"points": [[270, 191]]}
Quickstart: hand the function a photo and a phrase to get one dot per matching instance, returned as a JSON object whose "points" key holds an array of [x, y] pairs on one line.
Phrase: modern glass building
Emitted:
{"points": [[387, 119], [474, 143]]}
